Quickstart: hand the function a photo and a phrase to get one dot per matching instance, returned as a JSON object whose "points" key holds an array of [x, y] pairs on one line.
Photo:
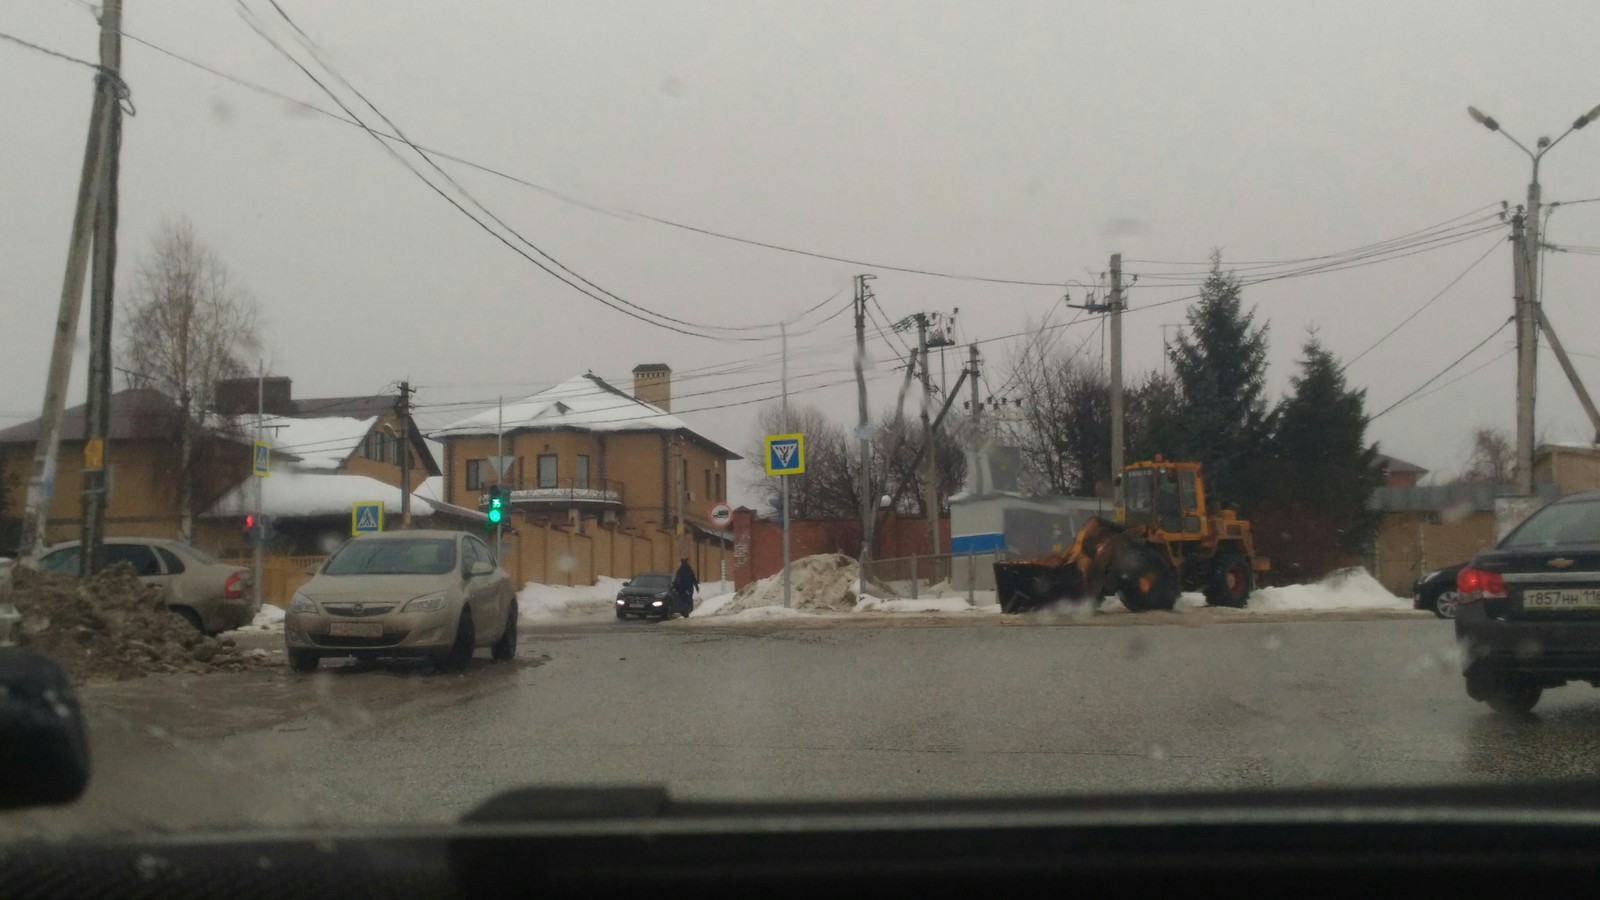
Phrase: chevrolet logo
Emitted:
{"points": [[1560, 562]]}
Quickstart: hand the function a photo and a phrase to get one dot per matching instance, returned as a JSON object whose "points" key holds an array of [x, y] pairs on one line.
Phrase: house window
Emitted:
{"points": [[547, 470], [475, 472], [718, 495], [581, 478]]}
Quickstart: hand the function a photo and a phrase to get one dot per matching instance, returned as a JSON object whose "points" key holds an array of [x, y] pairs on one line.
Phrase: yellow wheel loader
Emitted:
{"points": [[1165, 541]]}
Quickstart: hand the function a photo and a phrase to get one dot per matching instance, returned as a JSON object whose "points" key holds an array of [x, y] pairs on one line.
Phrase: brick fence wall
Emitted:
{"points": [[758, 543]]}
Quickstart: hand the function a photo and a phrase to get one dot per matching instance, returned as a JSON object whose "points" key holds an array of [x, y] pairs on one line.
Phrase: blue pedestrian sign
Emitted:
{"points": [[786, 454], [366, 517], [262, 459]]}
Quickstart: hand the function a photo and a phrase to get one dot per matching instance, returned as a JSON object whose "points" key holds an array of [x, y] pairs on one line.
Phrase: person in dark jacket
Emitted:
{"points": [[684, 584]]}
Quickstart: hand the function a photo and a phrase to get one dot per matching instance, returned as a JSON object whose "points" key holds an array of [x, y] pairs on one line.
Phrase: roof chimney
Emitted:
{"points": [[652, 384]]}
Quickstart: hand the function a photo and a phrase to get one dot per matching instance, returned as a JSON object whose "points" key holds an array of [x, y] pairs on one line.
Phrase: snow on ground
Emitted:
{"points": [[268, 618], [1344, 589], [925, 604], [546, 601], [826, 583]]}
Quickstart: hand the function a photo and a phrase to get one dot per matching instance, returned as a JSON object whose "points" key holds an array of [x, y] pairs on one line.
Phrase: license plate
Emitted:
{"points": [[1567, 598], [636, 603], [355, 629]]}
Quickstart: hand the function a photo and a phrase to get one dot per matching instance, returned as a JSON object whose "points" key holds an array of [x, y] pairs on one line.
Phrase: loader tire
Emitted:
{"points": [[1150, 585], [1229, 581]]}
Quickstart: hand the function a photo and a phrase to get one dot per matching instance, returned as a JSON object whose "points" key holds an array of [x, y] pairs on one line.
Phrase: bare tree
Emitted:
{"points": [[186, 327], [1493, 460]]}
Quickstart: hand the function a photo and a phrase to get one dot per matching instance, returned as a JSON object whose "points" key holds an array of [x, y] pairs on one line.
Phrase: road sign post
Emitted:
{"points": [[366, 517], [785, 456]]}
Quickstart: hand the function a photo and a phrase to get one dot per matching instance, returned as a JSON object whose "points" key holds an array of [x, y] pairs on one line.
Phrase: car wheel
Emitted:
{"points": [[1446, 602], [622, 616], [190, 616], [460, 653], [506, 647], [303, 660]]}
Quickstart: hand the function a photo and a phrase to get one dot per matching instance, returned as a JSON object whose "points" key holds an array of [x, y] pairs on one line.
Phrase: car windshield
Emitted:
{"points": [[1045, 398], [1571, 522], [431, 556]]}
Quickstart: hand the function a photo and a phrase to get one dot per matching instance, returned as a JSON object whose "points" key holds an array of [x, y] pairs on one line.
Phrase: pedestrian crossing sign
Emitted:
{"points": [[786, 454], [261, 464], [366, 517]]}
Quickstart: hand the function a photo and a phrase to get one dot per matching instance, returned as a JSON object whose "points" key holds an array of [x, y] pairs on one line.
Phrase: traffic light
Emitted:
{"points": [[497, 505], [257, 528]]}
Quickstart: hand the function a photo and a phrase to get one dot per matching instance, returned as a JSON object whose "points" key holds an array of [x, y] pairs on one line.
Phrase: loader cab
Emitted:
{"points": [[1169, 494]]}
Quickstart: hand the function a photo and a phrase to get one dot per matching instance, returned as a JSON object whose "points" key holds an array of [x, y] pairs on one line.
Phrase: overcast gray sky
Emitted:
{"points": [[1019, 140]]}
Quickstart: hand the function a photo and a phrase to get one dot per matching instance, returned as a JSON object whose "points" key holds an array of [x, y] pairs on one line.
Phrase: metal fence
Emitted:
{"points": [[912, 577]]}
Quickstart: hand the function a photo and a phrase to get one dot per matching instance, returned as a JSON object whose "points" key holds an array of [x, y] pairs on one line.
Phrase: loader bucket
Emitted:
{"points": [[1022, 586]]}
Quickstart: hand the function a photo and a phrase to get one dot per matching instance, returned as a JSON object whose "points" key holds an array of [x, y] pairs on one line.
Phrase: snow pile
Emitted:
{"points": [[547, 601], [115, 626], [822, 583], [268, 618], [1344, 589], [955, 604]]}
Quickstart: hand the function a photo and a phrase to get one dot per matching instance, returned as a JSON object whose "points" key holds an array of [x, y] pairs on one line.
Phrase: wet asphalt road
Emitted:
{"points": [[819, 710]]}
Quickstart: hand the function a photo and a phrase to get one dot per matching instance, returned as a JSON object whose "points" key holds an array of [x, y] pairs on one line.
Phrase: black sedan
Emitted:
{"points": [[1529, 615], [647, 596], [1436, 592]]}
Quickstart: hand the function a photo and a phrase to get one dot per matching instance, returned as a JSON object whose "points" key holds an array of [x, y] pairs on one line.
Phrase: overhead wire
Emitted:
{"points": [[1427, 303], [1456, 362]]}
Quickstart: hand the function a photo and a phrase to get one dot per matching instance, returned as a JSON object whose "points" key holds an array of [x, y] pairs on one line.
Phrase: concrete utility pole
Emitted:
{"points": [[930, 472], [977, 419], [783, 331], [107, 103], [1116, 384], [404, 408], [1572, 374], [259, 552], [499, 470], [1527, 306], [863, 434], [1526, 347], [102, 292]]}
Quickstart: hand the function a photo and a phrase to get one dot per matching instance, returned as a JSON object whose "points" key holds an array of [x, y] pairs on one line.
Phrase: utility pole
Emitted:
{"points": [[405, 454], [259, 551], [863, 435], [1116, 385], [107, 103], [102, 294], [977, 419], [930, 472], [499, 469], [1527, 342], [783, 331], [1572, 373]]}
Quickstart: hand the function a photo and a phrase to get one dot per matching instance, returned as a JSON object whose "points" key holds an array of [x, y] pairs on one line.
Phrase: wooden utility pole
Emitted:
{"points": [[107, 104]]}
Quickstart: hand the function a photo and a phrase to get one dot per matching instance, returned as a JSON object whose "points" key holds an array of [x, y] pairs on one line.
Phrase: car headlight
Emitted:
{"points": [[300, 603], [621, 602], [655, 602], [426, 603]]}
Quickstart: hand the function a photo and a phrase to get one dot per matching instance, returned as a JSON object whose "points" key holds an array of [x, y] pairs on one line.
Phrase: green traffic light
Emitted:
{"points": [[495, 514]]}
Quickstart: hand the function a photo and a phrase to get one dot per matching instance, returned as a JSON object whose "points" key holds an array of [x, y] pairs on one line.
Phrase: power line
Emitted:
{"points": [[48, 52], [1418, 311], [634, 310], [1441, 372], [1468, 374]]}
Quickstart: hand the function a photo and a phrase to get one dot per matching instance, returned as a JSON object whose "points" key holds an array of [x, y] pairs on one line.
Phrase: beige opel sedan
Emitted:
{"points": [[433, 594]]}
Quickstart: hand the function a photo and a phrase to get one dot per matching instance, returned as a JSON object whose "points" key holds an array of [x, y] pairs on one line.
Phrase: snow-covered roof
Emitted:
{"points": [[291, 493], [431, 489], [322, 443], [582, 403]]}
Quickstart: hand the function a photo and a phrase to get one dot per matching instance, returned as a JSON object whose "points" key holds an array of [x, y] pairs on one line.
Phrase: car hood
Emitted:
{"points": [[636, 591], [376, 587]]}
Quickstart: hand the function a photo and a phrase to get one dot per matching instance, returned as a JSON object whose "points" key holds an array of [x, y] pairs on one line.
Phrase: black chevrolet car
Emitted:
{"points": [[647, 596], [1436, 591], [1529, 615]]}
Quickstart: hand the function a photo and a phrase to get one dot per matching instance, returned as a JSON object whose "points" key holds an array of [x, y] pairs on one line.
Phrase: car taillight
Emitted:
{"points": [[1476, 585], [233, 589]]}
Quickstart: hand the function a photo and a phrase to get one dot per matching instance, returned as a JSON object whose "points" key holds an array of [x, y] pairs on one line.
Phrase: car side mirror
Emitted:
{"points": [[43, 738], [481, 568]]}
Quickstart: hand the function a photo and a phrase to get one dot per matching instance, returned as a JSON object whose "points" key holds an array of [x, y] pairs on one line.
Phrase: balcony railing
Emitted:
{"points": [[569, 491]]}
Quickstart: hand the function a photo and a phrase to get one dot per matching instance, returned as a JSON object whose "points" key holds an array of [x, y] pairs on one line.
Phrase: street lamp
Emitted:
{"points": [[1526, 313]]}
